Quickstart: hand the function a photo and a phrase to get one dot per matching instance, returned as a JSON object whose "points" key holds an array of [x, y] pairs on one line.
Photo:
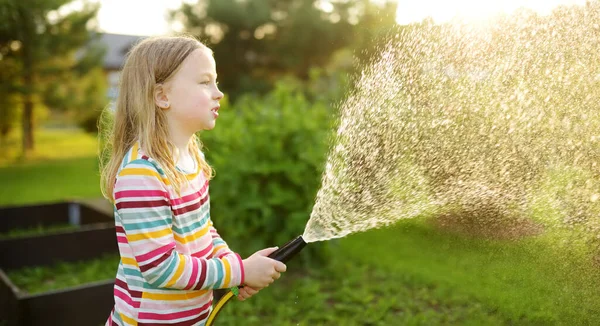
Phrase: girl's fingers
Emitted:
{"points": [[280, 267], [242, 295], [246, 292], [250, 290]]}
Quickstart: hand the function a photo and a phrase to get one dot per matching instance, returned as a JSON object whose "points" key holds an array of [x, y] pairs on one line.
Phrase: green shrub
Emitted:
{"points": [[268, 154], [89, 122]]}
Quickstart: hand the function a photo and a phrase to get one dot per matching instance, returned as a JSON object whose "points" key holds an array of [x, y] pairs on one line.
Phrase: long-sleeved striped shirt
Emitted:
{"points": [[171, 255]]}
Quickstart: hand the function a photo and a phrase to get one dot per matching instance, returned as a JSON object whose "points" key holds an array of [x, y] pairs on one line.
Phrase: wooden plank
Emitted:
{"points": [[89, 304], [23, 217], [91, 215], [18, 217], [8, 301], [100, 204], [41, 250]]}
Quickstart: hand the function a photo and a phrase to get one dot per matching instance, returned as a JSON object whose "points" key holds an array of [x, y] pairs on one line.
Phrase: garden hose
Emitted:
{"points": [[283, 254]]}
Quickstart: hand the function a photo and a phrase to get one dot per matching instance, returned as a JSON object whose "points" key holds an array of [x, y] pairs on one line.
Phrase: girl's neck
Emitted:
{"points": [[180, 140]]}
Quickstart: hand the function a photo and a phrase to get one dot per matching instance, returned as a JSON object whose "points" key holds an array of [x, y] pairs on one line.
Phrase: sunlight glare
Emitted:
{"points": [[443, 10]]}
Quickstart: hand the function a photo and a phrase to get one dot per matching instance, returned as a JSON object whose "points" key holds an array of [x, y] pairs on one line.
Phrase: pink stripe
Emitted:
{"points": [[140, 193], [125, 298], [160, 305], [187, 199], [194, 276], [190, 322], [193, 196], [202, 253], [156, 262], [223, 254], [191, 207], [155, 252], [243, 276], [121, 239], [140, 181], [173, 315]]}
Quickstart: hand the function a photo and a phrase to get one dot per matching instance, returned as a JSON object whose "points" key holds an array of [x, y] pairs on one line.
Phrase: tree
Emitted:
{"points": [[259, 41], [8, 94], [44, 44]]}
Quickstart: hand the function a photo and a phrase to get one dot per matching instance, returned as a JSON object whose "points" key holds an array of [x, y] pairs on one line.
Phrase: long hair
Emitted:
{"points": [[137, 117]]}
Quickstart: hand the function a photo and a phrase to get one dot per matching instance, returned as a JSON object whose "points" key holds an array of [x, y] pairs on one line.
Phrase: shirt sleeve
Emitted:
{"points": [[220, 247], [144, 220]]}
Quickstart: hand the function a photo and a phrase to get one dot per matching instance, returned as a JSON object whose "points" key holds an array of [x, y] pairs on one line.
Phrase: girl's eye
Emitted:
{"points": [[205, 82]]}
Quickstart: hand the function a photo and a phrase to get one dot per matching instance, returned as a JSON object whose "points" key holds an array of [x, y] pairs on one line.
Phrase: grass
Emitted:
{"points": [[37, 230], [410, 274], [414, 274], [50, 181], [61, 275], [50, 144], [63, 166]]}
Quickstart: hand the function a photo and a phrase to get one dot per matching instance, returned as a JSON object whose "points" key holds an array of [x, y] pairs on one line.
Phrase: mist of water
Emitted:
{"points": [[486, 123]]}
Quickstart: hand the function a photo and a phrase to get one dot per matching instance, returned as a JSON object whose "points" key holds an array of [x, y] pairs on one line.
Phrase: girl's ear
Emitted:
{"points": [[160, 97]]}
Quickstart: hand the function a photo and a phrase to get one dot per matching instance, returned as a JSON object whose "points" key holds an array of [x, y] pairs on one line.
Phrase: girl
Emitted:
{"points": [[171, 255]]}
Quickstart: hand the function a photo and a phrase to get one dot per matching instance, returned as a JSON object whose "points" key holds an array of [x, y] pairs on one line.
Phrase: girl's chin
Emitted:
{"points": [[209, 126]]}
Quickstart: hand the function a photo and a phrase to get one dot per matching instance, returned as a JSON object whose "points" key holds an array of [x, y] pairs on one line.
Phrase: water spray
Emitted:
{"points": [[283, 254], [486, 122]]}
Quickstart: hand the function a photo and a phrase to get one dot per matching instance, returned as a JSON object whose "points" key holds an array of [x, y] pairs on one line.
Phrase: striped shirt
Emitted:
{"points": [[171, 255]]}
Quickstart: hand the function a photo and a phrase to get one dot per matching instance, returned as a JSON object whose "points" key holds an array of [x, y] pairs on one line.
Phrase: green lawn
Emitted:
{"points": [[50, 144], [410, 274], [414, 274], [49, 181], [62, 166]]}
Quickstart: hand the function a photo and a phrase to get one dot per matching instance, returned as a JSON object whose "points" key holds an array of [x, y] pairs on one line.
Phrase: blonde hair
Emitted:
{"points": [[151, 62]]}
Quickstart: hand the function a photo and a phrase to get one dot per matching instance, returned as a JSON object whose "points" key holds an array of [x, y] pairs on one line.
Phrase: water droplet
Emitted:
{"points": [[474, 118]]}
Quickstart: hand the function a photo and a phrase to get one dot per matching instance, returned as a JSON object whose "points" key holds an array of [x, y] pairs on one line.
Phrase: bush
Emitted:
{"points": [[268, 154], [89, 122]]}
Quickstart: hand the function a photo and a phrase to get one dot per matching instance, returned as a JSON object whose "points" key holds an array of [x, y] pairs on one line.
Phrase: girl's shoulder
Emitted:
{"points": [[136, 156]]}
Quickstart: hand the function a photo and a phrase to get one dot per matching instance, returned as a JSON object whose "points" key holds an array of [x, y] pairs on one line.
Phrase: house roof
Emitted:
{"points": [[117, 46]]}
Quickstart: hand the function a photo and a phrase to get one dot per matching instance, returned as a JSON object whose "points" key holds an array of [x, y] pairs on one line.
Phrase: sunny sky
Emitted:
{"points": [[125, 16]]}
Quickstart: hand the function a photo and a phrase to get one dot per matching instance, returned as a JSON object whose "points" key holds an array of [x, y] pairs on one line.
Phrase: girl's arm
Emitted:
{"points": [[144, 224], [220, 247]]}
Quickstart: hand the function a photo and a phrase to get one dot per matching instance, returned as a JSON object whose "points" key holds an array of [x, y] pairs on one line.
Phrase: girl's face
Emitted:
{"points": [[192, 93]]}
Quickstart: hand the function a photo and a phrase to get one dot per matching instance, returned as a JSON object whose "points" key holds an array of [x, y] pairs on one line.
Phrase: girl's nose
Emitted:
{"points": [[218, 95]]}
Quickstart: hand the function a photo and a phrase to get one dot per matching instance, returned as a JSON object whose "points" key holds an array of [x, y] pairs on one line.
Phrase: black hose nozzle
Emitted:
{"points": [[288, 250], [283, 254]]}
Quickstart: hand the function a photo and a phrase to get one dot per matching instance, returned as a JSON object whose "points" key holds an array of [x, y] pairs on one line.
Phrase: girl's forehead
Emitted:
{"points": [[202, 60]]}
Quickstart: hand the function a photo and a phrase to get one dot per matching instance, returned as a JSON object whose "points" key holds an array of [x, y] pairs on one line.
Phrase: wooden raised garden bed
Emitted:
{"points": [[46, 235]]}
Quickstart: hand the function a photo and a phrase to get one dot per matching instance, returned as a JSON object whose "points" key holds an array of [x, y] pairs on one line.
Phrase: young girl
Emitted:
{"points": [[171, 255]]}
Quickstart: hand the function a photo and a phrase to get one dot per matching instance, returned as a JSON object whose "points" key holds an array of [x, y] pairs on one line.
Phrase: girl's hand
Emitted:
{"points": [[246, 292], [261, 270]]}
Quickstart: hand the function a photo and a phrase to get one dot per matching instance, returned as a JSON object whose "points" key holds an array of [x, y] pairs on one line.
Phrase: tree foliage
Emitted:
{"points": [[268, 153], [44, 60], [257, 42]]}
